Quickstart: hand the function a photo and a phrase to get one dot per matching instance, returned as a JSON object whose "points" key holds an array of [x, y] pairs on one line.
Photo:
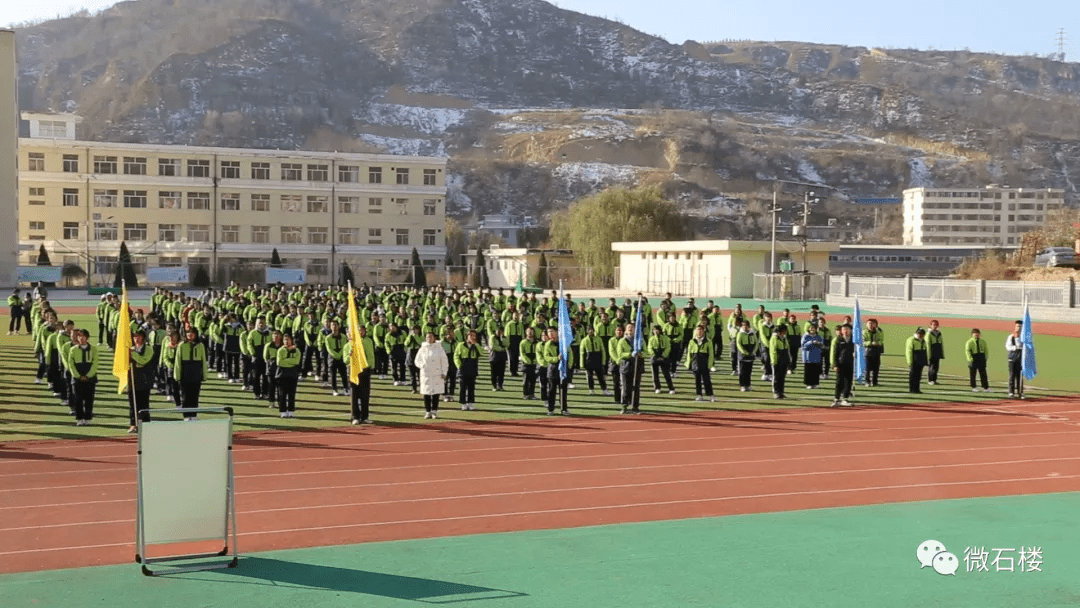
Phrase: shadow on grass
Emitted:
{"points": [[276, 572]]}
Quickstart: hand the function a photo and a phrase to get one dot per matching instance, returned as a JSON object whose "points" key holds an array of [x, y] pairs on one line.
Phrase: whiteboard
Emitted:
{"points": [[184, 475]]}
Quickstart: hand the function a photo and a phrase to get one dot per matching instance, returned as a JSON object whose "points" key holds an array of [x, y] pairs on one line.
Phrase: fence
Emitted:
{"points": [[1055, 300], [790, 286]]}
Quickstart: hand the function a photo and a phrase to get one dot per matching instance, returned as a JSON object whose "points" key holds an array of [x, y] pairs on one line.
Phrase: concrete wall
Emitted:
{"points": [[9, 142]]}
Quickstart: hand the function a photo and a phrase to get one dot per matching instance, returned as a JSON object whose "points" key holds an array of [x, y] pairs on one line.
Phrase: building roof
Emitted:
{"points": [[713, 246]]}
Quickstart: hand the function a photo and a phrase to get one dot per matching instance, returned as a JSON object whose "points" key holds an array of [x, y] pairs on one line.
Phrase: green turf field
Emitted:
{"points": [[29, 411], [838, 558]]}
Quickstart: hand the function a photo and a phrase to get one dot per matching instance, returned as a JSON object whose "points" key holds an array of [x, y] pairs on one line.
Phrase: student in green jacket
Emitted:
{"points": [[594, 357], [631, 368], [658, 349], [976, 351], [779, 355], [915, 353], [935, 341], [467, 361], [614, 351], [874, 345], [83, 363], [287, 361], [15, 307], [551, 356], [699, 360], [498, 356], [141, 380], [190, 370], [747, 345], [527, 351], [361, 390]]}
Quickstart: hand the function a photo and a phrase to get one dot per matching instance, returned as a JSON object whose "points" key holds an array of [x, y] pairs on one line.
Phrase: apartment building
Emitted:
{"points": [[994, 215], [225, 209], [9, 131]]}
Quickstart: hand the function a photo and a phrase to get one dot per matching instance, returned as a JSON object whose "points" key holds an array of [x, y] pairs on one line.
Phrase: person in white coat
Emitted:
{"points": [[433, 365]]}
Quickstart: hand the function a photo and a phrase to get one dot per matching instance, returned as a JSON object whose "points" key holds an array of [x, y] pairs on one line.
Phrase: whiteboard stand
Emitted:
{"points": [[185, 488]]}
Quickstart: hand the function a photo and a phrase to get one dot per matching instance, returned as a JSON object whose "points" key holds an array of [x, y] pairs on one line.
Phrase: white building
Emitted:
{"points": [[506, 265], [710, 268], [993, 215]]}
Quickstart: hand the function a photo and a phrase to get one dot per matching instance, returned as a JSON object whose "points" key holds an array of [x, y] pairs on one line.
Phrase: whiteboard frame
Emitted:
{"points": [[141, 540]]}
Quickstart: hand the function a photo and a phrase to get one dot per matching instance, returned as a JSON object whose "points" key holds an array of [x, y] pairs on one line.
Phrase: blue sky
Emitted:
{"points": [[988, 25]]}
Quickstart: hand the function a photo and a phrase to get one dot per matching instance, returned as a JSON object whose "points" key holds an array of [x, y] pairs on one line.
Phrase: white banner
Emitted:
{"points": [[288, 276], [33, 274], [167, 274]]}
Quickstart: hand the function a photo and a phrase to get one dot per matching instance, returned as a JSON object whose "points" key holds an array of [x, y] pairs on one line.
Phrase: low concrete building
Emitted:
{"points": [[505, 265], [710, 268]]}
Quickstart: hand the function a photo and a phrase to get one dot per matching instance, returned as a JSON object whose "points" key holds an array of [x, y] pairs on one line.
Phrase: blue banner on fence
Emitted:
{"points": [[288, 276], [33, 274], [167, 274]]}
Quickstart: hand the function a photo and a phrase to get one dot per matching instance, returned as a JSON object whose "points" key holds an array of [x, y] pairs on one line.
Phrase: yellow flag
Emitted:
{"points": [[357, 358], [122, 355]]}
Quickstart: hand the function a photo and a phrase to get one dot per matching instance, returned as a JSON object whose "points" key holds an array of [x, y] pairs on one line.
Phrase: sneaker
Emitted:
{"points": [[932, 382], [808, 386], [284, 414], [623, 410], [607, 393], [845, 402], [699, 398], [326, 385], [355, 421], [335, 394], [592, 392], [427, 415], [764, 377], [734, 373], [671, 392], [37, 380], [744, 388], [713, 398], [472, 407], [1021, 396], [712, 369], [657, 391], [635, 411], [397, 383], [975, 390], [132, 429], [551, 412], [1012, 395], [835, 403], [367, 421], [434, 414], [566, 412], [464, 407], [571, 385], [987, 390], [776, 395]]}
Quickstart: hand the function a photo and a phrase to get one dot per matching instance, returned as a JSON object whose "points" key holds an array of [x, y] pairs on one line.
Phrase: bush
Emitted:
{"points": [[201, 278]]}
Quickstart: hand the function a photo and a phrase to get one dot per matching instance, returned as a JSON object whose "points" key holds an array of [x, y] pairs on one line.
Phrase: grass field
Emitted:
{"points": [[29, 411]]}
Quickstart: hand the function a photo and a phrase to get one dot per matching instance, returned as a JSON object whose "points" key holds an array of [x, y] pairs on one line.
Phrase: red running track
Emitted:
{"points": [[70, 504]]}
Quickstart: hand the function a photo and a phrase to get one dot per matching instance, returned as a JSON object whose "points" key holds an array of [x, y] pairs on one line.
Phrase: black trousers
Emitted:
{"points": [[468, 389], [16, 319], [873, 366], [189, 396], [100, 332], [779, 377], [734, 356], [542, 372], [258, 378], [811, 373], [286, 394], [746, 370], [451, 379], [337, 368], [1016, 376], [632, 372], [382, 361], [845, 377], [703, 381], [515, 353], [311, 353], [528, 386], [932, 368], [980, 369], [232, 365], [246, 368], [361, 395], [616, 383], [83, 399], [498, 372], [398, 362], [661, 365], [138, 406], [431, 403], [596, 370], [561, 387], [915, 372]]}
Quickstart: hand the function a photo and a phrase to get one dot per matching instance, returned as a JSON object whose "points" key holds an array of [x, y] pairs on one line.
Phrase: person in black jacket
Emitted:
{"points": [[842, 361], [141, 381], [287, 360]]}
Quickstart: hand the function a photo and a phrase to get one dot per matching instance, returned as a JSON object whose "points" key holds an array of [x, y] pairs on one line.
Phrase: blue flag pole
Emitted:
{"points": [[1027, 338], [566, 336], [856, 339]]}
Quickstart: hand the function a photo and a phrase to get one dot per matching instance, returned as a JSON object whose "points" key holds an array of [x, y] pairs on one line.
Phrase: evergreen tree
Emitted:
{"points": [[275, 259], [419, 276], [542, 273], [479, 272], [347, 277], [201, 278], [125, 271], [43, 257]]}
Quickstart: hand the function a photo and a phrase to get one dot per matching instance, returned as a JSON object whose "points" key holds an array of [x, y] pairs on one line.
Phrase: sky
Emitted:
{"points": [[998, 26]]}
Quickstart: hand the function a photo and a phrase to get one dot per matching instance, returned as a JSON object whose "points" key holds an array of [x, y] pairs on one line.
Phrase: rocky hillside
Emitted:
{"points": [[536, 106]]}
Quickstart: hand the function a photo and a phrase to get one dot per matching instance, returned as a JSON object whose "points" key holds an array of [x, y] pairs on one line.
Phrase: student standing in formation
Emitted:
{"points": [[15, 308], [449, 344], [190, 370], [794, 339], [334, 345], [936, 348], [842, 361], [779, 354], [557, 385], [141, 381], [413, 340], [498, 344], [395, 347], [632, 368], [765, 331], [168, 365], [257, 341], [432, 362], [527, 352], [287, 360], [83, 363], [812, 347], [270, 354], [659, 350], [467, 360], [615, 361], [874, 345], [734, 326], [515, 333], [976, 351], [1014, 351], [826, 345], [746, 342], [595, 357], [700, 358], [915, 353], [361, 391]]}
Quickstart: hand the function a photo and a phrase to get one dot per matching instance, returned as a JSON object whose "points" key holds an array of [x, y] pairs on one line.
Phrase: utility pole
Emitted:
{"points": [[772, 253], [1061, 38]]}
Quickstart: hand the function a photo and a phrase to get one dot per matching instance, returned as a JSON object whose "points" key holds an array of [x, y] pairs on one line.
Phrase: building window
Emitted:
{"points": [[429, 263], [429, 238], [230, 202], [169, 261], [429, 177], [318, 173], [52, 128], [401, 206], [198, 168], [292, 172], [71, 230], [134, 165], [105, 231], [169, 200], [348, 174], [105, 198], [71, 163], [168, 167], [317, 235], [37, 192], [318, 267], [198, 200], [198, 233], [105, 264], [230, 233], [36, 161], [260, 202], [135, 199], [317, 204], [134, 232], [37, 225], [169, 233], [402, 176], [230, 169], [105, 164], [348, 204], [292, 203], [260, 170], [71, 197], [292, 234], [374, 205], [429, 206], [260, 234], [348, 236], [402, 236], [374, 175], [374, 236]]}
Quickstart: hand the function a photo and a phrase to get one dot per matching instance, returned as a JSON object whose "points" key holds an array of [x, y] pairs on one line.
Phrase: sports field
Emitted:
{"points": [[744, 502]]}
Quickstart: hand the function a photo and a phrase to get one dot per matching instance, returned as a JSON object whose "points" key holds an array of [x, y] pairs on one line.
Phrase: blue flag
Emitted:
{"points": [[856, 338], [566, 337], [639, 337], [1027, 337]]}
